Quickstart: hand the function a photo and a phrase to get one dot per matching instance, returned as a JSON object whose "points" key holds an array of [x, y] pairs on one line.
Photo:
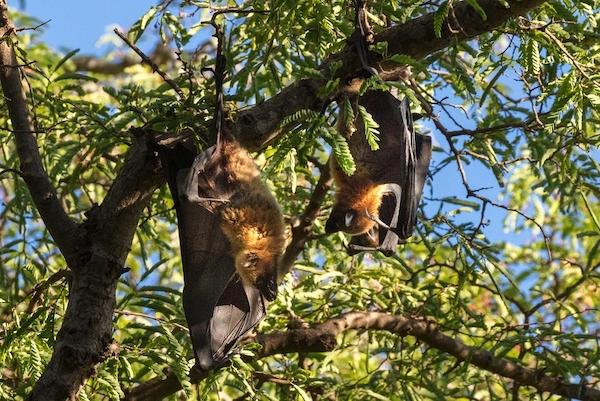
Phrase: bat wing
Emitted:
{"points": [[218, 307], [411, 154], [402, 163]]}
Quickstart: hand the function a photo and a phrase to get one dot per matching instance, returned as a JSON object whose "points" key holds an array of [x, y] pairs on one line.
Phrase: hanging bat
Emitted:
{"points": [[231, 234], [226, 181], [378, 204], [219, 307]]}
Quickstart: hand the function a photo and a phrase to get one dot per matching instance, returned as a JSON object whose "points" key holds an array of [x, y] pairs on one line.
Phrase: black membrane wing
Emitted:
{"points": [[218, 307], [401, 165], [407, 215]]}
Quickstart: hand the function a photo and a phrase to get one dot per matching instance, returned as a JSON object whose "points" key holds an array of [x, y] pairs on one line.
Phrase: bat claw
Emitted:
{"points": [[371, 233], [378, 221], [267, 287]]}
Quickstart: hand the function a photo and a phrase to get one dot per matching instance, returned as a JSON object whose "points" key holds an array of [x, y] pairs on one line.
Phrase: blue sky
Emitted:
{"points": [[78, 24]]}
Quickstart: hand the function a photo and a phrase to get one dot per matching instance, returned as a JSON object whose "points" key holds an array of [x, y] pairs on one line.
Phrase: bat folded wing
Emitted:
{"points": [[219, 307]]}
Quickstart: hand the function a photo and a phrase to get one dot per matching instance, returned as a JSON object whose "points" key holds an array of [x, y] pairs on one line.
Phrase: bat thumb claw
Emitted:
{"points": [[267, 287]]}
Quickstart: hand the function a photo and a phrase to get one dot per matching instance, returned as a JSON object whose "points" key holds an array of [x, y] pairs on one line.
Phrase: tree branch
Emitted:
{"points": [[85, 338], [257, 126], [321, 338], [60, 226], [302, 230], [151, 63]]}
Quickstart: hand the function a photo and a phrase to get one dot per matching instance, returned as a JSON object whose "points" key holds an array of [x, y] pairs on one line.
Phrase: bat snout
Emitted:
{"points": [[332, 226]]}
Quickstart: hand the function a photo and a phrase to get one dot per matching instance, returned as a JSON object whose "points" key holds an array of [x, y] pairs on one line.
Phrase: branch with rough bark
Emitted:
{"points": [[321, 338], [60, 226]]}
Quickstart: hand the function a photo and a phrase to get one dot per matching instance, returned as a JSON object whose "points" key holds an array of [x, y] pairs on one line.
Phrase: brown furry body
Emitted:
{"points": [[250, 216]]}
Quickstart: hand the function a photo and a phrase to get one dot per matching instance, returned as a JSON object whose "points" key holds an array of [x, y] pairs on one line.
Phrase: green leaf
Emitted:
{"points": [[75, 75], [341, 151], [440, 15], [371, 126], [477, 7], [138, 28], [64, 59]]}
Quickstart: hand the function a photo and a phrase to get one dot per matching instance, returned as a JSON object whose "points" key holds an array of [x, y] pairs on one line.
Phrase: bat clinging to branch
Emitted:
{"points": [[231, 233], [219, 307], [377, 205]]}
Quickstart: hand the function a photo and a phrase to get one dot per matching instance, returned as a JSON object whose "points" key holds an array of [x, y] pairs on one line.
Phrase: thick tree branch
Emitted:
{"points": [[60, 226], [85, 338], [321, 338]]}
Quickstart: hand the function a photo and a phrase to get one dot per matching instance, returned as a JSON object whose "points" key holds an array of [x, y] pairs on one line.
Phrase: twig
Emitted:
{"points": [[302, 231], [11, 170], [157, 319], [39, 289], [151, 63], [35, 28]]}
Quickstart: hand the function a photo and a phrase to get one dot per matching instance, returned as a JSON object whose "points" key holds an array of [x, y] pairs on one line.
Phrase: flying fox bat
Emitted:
{"points": [[219, 306], [226, 181], [378, 204], [231, 234]]}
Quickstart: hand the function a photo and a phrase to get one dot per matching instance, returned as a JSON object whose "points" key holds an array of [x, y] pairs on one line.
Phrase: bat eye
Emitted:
{"points": [[348, 219]]}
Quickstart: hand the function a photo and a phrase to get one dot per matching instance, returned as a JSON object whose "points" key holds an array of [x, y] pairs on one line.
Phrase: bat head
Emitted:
{"points": [[351, 221], [260, 271]]}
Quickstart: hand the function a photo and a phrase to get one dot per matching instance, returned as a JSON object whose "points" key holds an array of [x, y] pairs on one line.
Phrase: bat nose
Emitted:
{"points": [[331, 226]]}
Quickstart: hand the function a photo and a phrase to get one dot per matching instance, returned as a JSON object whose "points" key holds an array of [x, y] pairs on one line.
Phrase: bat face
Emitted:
{"points": [[394, 175], [219, 306], [260, 271], [348, 220]]}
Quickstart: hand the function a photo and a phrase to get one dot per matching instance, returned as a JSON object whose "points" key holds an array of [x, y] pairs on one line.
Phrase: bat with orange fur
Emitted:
{"points": [[231, 233], [377, 205]]}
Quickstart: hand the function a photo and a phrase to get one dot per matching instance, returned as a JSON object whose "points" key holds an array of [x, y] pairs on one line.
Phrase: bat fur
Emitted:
{"points": [[227, 182]]}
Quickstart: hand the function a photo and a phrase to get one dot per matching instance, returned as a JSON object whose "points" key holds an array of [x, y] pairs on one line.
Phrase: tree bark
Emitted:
{"points": [[85, 338]]}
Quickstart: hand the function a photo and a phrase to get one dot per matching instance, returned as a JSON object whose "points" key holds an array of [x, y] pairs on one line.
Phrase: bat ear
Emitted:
{"points": [[348, 218]]}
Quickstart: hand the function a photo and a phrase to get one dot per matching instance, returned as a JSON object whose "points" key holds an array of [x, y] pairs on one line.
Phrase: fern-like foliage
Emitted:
{"points": [[371, 126], [341, 150]]}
